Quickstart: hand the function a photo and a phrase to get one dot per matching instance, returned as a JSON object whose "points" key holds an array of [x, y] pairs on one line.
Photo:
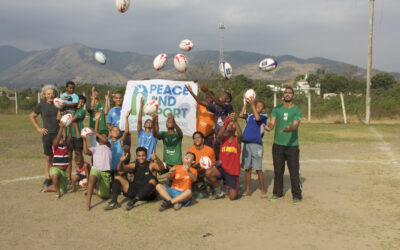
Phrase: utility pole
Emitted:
{"points": [[369, 66], [221, 28]]}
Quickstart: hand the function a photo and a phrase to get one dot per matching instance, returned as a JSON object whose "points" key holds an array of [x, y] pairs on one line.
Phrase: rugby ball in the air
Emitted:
{"points": [[160, 61], [186, 45], [58, 102], [100, 57], [268, 64], [180, 63], [66, 119], [150, 107], [226, 70], [249, 93], [83, 182], [122, 5], [205, 162], [86, 132]]}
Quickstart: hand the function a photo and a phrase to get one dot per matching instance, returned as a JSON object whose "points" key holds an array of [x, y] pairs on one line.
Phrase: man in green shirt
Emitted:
{"points": [[172, 139], [285, 118], [93, 107]]}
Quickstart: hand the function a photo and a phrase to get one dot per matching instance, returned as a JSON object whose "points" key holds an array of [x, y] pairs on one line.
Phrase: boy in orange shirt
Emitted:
{"points": [[182, 176]]}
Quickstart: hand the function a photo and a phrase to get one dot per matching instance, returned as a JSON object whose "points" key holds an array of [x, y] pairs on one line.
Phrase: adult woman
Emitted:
{"points": [[50, 126]]}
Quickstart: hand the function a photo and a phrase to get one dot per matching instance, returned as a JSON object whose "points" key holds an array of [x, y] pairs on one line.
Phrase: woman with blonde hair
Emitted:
{"points": [[50, 126]]}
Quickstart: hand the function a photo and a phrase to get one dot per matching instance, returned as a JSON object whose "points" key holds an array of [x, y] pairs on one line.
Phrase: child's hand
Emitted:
{"points": [[204, 88], [93, 91], [184, 167], [107, 94], [251, 100], [97, 115], [128, 114], [189, 88], [153, 156], [141, 102], [124, 157], [172, 170], [155, 117]]}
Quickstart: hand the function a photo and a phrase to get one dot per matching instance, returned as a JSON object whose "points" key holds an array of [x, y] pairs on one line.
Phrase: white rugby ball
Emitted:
{"points": [[86, 132], [226, 70], [180, 63], [186, 45], [249, 93], [122, 5], [58, 102], [66, 119], [100, 57], [150, 107], [268, 64], [83, 182], [205, 162], [160, 61]]}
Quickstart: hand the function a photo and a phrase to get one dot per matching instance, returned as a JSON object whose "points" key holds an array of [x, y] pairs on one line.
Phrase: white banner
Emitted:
{"points": [[173, 97]]}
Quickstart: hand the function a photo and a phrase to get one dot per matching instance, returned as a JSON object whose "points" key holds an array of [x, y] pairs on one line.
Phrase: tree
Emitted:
{"points": [[383, 80]]}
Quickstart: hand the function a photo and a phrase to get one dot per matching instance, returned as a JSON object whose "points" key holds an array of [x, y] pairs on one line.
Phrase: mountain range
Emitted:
{"points": [[75, 62]]}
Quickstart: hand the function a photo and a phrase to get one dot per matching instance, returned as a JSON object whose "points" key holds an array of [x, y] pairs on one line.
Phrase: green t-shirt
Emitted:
{"points": [[80, 114], [172, 148], [102, 122], [284, 116]]}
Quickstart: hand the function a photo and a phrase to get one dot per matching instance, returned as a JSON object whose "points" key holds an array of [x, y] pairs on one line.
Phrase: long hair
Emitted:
{"points": [[47, 87]]}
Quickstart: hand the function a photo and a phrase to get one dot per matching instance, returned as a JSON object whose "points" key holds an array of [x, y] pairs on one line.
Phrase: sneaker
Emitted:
{"points": [[130, 204], [165, 205], [58, 196], [177, 206], [112, 205], [296, 201], [274, 197]]}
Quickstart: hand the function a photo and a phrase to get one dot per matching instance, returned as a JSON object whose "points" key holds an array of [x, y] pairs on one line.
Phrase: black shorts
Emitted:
{"points": [[230, 181], [135, 188], [80, 176], [47, 141], [76, 143]]}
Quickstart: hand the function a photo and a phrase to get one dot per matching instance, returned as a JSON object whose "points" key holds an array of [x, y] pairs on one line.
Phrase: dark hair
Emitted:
{"points": [[287, 87], [81, 97], [118, 93], [194, 156], [261, 103], [138, 149], [198, 133], [69, 83], [229, 96]]}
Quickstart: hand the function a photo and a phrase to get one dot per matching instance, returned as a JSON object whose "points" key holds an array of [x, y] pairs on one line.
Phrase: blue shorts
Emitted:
{"points": [[252, 156], [174, 192], [230, 181]]}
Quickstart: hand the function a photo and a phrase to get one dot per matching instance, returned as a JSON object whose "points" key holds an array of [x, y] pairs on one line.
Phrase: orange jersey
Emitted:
{"points": [[182, 180], [205, 120], [206, 151]]}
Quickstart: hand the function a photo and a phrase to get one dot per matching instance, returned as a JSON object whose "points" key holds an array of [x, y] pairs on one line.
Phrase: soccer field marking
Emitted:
{"points": [[385, 147], [22, 179]]}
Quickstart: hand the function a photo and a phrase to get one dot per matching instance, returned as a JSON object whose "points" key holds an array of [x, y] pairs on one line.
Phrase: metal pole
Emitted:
{"points": [[16, 102], [309, 105], [221, 27], [369, 66], [343, 108], [38, 97], [275, 98]]}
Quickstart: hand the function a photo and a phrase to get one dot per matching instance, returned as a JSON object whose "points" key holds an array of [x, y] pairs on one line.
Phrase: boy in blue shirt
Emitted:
{"points": [[145, 136], [253, 149], [71, 100]]}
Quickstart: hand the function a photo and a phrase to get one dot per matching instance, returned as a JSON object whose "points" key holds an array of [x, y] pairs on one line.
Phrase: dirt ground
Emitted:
{"points": [[351, 189]]}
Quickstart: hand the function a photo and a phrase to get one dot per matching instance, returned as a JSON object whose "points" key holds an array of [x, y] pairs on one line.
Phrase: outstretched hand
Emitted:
{"points": [[204, 88], [287, 129], [97, 115], [141, 102], [124, 157], [128, 113], [189, 88]]}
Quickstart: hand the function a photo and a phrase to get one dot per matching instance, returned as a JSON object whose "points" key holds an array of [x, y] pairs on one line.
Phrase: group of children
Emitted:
{"points": [[113, 172]]}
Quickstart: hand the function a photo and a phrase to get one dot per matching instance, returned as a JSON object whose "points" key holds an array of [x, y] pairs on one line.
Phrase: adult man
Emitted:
{"points": [[285, 118], [144, 182]]}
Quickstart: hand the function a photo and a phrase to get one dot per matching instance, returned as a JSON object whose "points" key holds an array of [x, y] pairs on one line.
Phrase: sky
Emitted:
{"points": [[333, 29]]}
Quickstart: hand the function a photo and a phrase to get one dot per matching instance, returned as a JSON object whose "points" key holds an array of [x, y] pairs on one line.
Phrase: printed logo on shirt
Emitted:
{"points": [[285, 116], [229, 149], [170, 152]]}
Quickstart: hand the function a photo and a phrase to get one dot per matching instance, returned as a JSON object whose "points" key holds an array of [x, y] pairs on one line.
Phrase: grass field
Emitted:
{"points": [[351, 188]]}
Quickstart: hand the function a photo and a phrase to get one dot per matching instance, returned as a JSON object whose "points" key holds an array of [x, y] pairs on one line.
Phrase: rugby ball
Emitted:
{"points": [[186, 45], [249, 93], [180, 63], [268, 64], [66, 119], [150, 107], [83, 182], [58, 102], [205, 162], [160, 61], [122, 5], [86, 132], [100, 57], [226, 70]]}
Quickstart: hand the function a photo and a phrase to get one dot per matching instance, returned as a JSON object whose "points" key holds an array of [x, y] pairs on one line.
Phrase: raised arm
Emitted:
{"points": [[107, 106], [243, 111], [178, 129], [101, 137], [238, 132], [126, 132], [139, 120], [69, 135], [85, 147], [208, 93], [221, 133], [253, 107], [156, 134], [92, 100], [198, 100], [125, 168], [56, 141], [157, 164]]}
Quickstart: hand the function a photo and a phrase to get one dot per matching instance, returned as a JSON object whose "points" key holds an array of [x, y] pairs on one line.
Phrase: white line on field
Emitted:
{"points": [[22, 179], [385, 147]]}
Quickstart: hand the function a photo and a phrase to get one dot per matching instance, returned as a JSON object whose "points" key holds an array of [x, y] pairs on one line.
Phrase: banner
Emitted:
{"points": [[173, 97]]}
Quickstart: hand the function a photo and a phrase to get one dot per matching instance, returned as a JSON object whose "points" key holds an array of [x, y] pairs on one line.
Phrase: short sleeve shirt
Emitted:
{"points": [[206, 151], [49, 116], [102, 156], [182, 180], [148, 141], [102, 122], [205, 120], [284, 117], [254, 131], [80, 114], [172, 153], [117, 152], [114, 116], [220, 113], [70, 98], [230, 156]]}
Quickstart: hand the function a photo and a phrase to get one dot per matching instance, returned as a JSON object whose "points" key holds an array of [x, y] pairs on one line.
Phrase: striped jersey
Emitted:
{"points": [[60, 155]]}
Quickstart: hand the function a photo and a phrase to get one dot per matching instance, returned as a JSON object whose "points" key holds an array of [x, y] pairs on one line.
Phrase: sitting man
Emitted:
{"points": [[144, 182], [182, 177]]}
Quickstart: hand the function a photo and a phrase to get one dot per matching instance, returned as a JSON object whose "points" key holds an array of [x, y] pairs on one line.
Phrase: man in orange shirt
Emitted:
{"points": [[205, 118], [182, 176]]}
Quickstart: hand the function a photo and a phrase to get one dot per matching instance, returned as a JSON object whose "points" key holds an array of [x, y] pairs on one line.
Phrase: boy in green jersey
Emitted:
{"points": [[93, 107], [285, 118]]}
